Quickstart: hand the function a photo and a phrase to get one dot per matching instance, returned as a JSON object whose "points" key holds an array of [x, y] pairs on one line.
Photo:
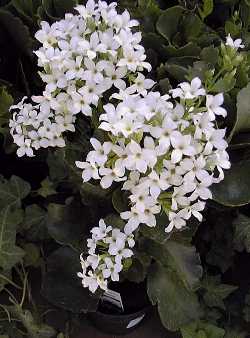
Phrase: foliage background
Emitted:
{"points": [[199, 278]]}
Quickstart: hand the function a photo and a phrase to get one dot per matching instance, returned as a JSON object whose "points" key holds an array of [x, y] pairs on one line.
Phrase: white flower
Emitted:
{"points": [[182, 146], [177, 220], [189, 91], [236, 44], [101, 231], [213, 104], [89, 171], [112, 269], [156, 183], [110, 175], [100, 153]]}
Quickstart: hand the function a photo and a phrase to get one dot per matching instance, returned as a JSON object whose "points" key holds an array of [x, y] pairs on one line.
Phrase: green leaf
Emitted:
{"points": [[210, 55], [225, 84], [62, 287], [202, 330], [13, 191], [16, 31], [177, 306], [243, 110], [69, 224], [35, 223], [120, 200], [234, 333], [56, 9], [207, 8], [47, 188], [216, 292], [181, 258], [25, 8], [32, 255], [168, 22], [178, 72], [6, 101], [242, 233], [34, 329], [234, 190], [10, 254], [137, 272]]}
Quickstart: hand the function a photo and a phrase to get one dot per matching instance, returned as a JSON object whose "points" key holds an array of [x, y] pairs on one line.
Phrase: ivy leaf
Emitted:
{"points": [[35, 223], [32, 255], [207, 8], [168, 22], [181, 258], [234, 333], [243, 110], [10, 254], [62, 287], [47, 188], [216, 292], [13, 191], [242, 233], [233, 191], [202, 330], [177, 306]]}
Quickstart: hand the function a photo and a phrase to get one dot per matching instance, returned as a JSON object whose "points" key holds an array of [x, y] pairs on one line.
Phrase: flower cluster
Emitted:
{"points": [[167, 151], [82, 56], [108, 249]]}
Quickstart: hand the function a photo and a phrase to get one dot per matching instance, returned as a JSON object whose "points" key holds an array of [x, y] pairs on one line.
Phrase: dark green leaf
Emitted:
{"points": [[69, 224], [62, 287], [242, 233], [206, 9], [168, 22], [234, 190], [216, 292], [35, 223], [177, 305], [120, 200], [47, 188], [16, 31], [202, 330], [243, 110], [181, 258], [10, 254], [13, 191]]}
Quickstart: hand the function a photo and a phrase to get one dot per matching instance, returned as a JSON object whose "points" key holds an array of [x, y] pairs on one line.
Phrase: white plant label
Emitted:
{"points": [[114, 298], [134, 322]]}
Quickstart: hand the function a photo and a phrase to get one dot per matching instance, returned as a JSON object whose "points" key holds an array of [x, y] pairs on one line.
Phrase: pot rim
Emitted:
{"points": [[145, 310]]}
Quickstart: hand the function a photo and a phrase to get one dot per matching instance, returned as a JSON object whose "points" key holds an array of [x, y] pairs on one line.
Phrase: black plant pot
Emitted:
{"points": [[136, 308]]}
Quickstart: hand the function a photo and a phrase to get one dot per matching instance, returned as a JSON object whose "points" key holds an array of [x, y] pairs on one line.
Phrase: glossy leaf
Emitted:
{"points": [[243, 110], [234, 190], [181, 258], [177, 305], [167, 24], [69, 224], [62, 287]]}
